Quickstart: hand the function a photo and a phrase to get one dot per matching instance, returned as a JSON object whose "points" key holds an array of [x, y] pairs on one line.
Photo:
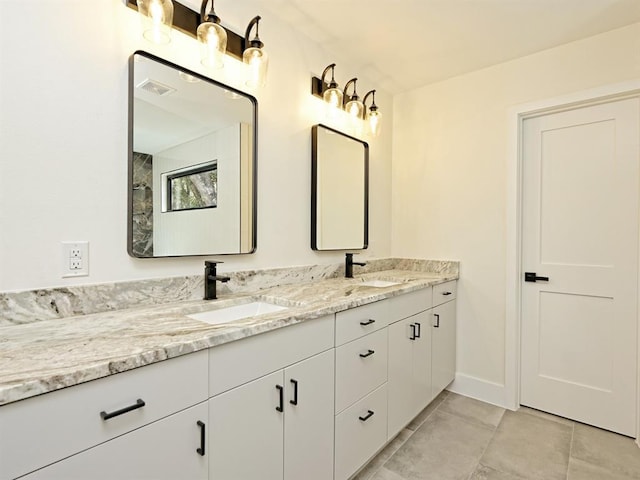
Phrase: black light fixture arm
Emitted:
{"points": [[373, 107], [211, 16], [256, 43], [346, 87], [333, 83]]}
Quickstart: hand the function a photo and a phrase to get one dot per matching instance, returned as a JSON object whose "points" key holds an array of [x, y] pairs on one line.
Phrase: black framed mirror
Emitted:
{"points": [[192, 163], [339, 190]]}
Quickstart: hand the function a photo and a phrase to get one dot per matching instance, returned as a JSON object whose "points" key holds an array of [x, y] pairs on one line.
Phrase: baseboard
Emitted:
{"points": [[489, 392]]}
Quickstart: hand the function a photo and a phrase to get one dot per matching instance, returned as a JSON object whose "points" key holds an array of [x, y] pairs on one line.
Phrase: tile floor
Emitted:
{"points": [[458, 438]]}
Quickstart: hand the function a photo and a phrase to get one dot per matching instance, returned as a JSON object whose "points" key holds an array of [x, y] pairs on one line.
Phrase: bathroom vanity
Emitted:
{"points": [[313, 390]]}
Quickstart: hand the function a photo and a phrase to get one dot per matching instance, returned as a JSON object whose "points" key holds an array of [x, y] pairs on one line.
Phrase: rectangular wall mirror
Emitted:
{"points": [[192, 163], [339, 190]]}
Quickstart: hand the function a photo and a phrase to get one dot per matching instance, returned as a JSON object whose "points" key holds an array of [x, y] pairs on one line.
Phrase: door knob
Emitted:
{"points": [[533, 277]]}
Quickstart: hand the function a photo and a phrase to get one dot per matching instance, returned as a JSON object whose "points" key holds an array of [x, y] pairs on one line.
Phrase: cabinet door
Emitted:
{"points": [[245, 431], [401, 340], [409, 370], [166, 449], [309, 415], [444, 346]]}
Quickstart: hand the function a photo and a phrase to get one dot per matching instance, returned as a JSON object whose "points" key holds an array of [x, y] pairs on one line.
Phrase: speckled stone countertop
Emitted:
{"points": [[44, 356]]}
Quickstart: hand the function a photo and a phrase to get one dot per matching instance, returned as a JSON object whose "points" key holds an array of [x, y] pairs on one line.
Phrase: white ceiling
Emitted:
{"points": [[404, 44]]}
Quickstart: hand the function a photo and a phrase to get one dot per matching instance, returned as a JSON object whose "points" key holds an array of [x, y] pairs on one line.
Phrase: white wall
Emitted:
{"points": [[450, 149], [63, 142]]}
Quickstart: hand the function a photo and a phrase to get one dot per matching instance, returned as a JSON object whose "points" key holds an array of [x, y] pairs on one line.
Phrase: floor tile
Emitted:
{"points": [[428, 410], [579, 470], [529, 446], [472, 410], [548, 416], [376, 463], [384, 474], [483, 472], [445, 447], [610, 451]]}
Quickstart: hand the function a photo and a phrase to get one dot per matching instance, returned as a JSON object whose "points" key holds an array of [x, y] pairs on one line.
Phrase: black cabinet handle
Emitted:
{"points": [[417, 330], [413, 332], [367, 416], [106, 416], [446, 293], [368, 322], [295, 392], [437, 325], [280, 407], [368, 354], [202, 437]]}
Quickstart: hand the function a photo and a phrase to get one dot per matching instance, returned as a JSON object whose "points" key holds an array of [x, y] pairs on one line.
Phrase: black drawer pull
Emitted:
{"points": [[437, 325], [106, 416], [417, 335], [413, 332], [295, 392], [368, 322], [202, 438], [368, 354], [446, 293], [280, 406], [367, 416]]}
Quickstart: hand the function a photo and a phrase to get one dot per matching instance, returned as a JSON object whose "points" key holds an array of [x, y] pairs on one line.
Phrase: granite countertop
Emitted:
{"points": [[45, 356]]}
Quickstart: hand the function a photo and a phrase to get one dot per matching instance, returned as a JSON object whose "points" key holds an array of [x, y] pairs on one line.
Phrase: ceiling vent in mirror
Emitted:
{"points": [[155, 87]]}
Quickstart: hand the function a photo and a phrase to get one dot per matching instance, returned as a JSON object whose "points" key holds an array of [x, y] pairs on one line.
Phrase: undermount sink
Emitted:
{"points": [[379, 283], [236, 312]]}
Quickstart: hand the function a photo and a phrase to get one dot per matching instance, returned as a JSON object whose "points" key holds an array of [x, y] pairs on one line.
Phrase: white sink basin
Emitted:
{"points": [[379, 283], [236, 312]]}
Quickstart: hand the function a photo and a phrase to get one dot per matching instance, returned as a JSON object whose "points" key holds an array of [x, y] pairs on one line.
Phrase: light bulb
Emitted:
{"points": [[333, 99], [375, 122], [213, 44], [354, 108], [157, 18], [257, 62]]}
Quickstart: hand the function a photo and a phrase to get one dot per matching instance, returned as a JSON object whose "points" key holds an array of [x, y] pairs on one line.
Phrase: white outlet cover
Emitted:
{"points": [[78, 250]]}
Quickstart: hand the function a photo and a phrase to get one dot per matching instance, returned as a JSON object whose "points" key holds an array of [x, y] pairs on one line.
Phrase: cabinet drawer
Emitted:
{"points": [[44, 429], [358, 440], [409, 304], [444, 292], [359, 321], [358, 371], [239, 362]]}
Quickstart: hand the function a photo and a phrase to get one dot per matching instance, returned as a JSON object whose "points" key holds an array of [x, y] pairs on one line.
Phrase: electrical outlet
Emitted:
{"points": [[75, 259]]}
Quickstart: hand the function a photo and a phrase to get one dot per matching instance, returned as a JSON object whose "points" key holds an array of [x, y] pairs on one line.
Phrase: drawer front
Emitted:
{"points": [[444, 292], [359, 433], [358, 371], [236, 363], [47, 428], [409, 304], [359, 321]]}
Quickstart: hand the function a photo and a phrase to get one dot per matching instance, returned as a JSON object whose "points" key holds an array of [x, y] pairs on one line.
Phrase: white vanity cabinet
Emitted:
{"points": [[46, 429], [276, 424], [409, 370], [168, 449], [443, 336], [361, 386]]}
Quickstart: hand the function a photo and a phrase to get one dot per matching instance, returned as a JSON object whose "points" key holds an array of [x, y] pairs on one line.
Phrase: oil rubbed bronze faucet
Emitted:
{"points": [[211, 279], [349, 263]]}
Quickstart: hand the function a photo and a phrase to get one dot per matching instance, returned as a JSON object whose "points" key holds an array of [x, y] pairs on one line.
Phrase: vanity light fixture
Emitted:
{"points": [[211, 37], [372, 115], [254, 56], [332, 94], [157, 18], [215, 40], [353, 106]]}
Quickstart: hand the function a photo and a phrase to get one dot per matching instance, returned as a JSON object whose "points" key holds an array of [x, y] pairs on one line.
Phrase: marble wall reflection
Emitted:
{"points": [[142, 205]]}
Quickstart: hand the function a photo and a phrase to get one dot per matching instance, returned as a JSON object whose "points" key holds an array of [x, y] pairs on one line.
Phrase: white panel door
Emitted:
{"points": [[580, 229], [309, 418]]}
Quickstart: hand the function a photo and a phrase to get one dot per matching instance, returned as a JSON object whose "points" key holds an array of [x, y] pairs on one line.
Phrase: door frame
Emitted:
{"points": [[513, 307]]}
